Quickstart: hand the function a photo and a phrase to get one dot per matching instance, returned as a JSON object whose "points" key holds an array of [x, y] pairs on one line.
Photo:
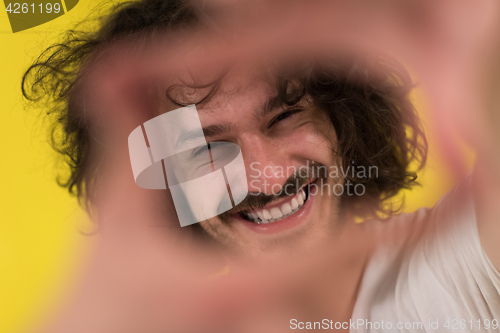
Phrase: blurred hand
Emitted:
{"points": [[145, 275]]}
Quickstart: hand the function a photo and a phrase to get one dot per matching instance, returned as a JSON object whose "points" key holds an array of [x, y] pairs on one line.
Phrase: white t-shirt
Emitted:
{"points": [[432, 275]]}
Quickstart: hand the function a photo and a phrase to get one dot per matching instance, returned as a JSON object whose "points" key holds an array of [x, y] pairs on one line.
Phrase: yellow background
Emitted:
{"points": [[40, 243]]}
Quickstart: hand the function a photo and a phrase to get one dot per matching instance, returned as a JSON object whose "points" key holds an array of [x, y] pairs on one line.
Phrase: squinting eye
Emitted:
{"points": [[205, 148], [200, 150], [284, 115]]}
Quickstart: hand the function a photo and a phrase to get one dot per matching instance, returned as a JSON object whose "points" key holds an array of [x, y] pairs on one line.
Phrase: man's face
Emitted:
{"points": [[276, 141]]}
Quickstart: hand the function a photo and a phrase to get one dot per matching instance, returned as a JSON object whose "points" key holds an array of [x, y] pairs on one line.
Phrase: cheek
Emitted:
{"points": [[313, 141]]}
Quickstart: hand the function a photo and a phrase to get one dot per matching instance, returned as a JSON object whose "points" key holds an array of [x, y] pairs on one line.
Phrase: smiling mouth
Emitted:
{"points": [[278, 212]]}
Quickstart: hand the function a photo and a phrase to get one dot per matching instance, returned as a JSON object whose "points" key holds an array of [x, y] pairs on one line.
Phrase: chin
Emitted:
{"points": [[292, 224]]}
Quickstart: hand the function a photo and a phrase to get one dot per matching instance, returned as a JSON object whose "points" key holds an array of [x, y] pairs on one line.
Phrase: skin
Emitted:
{"points": [[282, 143], [266, 145]]}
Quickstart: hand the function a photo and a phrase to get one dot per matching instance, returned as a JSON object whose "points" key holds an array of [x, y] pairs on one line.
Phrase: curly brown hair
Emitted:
{"points": [[374, 119]]}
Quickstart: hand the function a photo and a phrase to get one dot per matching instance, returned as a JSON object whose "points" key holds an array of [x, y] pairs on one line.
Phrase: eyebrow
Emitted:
{"points": [[219, 129], [209, 131], [269, 106]]}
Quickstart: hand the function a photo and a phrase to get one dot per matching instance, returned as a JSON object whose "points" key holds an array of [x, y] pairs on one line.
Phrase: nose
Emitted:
{"points": [[267, 164]]}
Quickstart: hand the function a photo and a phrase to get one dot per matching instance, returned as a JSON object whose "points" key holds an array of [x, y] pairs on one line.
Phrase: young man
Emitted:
{"points": [[324, 143]]}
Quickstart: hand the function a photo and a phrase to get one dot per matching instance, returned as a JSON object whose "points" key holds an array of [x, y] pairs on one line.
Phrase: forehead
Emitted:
{"points": [[240, 92]]}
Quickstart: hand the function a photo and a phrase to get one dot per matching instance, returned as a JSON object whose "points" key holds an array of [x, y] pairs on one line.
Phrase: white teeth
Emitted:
{"points": [[300, 199], [286, 209], [276, 213]]}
